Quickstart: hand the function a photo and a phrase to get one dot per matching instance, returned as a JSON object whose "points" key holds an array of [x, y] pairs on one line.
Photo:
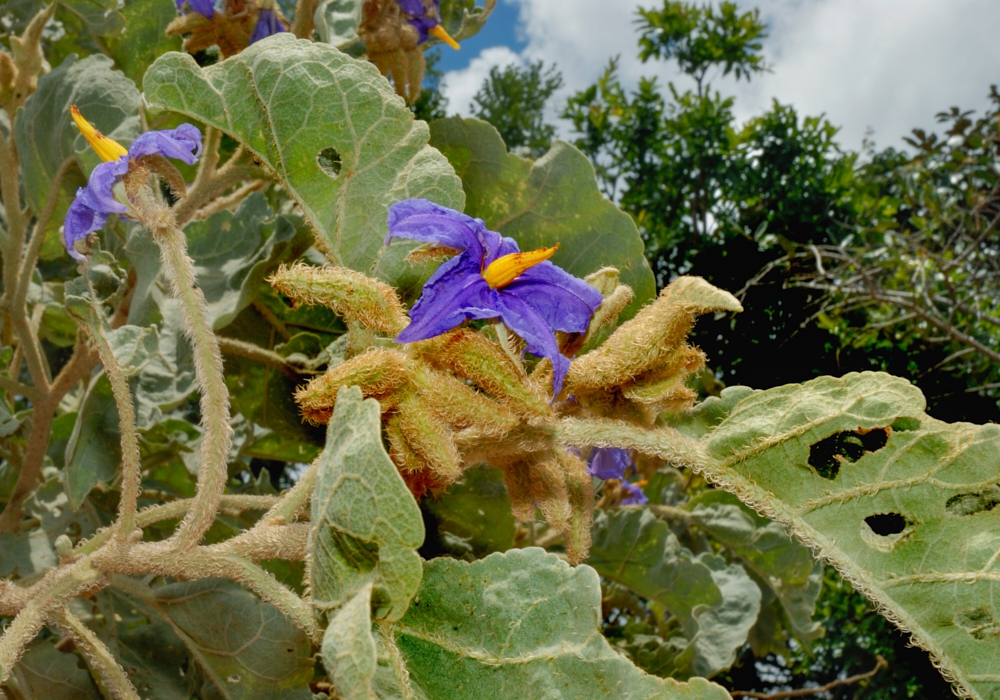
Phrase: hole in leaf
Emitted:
{"points": [[329, 161], [980, 623], [828, 454], [903, 425], [233, 678], [886, 524], [965, 504]]}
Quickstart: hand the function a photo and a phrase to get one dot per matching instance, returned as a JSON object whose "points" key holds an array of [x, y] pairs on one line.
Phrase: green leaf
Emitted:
{"points": [[715, 603], [366, 524], [348, 648], [540, 203], [462, 19], [337, 24], [144, 38], [133, 347], [521, 624], [94, 450], [46, 135], [44, 673], [168, 379], [783, 564], [291, 102], [244, 648], [26, 553], [234, 251], [900, 503], [475, 513]]}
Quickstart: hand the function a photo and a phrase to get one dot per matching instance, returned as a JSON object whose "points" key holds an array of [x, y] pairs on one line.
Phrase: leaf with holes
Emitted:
{"points": [[902, 504], [521, 624], [330, 127], [540, 203], [715, 603], [366, 523]]}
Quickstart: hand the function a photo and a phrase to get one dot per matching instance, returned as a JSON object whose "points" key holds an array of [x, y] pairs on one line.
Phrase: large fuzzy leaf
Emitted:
{"points": [[554, 199], [900, 503], [716, 603], [44, 673], [366, 524], [330, 127], [521, 624]]}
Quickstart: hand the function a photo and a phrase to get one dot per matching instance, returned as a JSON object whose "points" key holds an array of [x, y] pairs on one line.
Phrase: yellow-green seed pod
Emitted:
{"points": [[484, 363], [379, 372], [645, 343], [352, 295]]}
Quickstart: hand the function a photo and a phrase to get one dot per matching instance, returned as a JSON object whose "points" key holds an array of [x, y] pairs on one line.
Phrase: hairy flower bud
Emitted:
{"points": [[379, 372], [352, 295], [429, 439], [648, 341], [484, 363], [460, 406]]}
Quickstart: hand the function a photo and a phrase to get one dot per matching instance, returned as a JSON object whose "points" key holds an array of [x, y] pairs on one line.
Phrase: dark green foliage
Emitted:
{"points": [[513, 99], [700, 37]]}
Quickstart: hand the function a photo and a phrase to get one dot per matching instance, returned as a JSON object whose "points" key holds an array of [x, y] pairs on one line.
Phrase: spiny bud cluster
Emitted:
{"points": [[462, 398]]}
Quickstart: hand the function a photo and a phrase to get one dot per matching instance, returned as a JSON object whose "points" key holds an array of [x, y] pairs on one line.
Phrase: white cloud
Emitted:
{"points": [[461, 85], [890, 65]]}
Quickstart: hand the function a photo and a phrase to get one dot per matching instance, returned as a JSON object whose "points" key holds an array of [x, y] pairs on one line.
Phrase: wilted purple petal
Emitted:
{"points": [[421, 220], [635, 495], [567, 303], [539, 339], [98, 193], [267, 25], [609, 463], [455, 293], [182, 143]]}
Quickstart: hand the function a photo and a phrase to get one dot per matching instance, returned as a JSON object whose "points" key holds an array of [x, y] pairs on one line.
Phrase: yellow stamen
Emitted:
{"points": [[505, 270], [107, 149], [444, 36]]}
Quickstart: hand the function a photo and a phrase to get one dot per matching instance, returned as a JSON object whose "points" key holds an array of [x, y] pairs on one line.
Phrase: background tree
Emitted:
{"points": [[514, 99]]}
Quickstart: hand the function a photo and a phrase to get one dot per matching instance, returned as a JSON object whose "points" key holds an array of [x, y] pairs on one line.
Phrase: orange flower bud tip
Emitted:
{"points": [[506, 269], [107, 149], [444, 36]]}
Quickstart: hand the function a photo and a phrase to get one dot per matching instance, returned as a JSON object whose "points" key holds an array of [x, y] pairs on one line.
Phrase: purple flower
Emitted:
{"points": [[635, 495], [268, 23], [426, 18], [609, 463], [89, 211], [491, 278], [202, 7]]}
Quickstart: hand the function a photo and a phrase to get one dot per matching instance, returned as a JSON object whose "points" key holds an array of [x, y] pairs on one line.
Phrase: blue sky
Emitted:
{"points": [[880, 67]]}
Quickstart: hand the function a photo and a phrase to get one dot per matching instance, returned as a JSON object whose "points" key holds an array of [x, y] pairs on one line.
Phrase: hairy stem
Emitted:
{"points": [[217, 433], [100, 657], [292, 501]]}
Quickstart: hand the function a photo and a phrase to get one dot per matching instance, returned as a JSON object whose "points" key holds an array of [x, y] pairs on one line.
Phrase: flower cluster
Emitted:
{"points": [[104, 194], [491, 278], [614, 463]]}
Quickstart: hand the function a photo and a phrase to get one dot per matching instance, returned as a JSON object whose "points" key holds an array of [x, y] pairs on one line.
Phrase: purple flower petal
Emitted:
{"points": [[567, 303], [202, 7], [421, 220], [539, 339], [182, 143], [414, 8], [609, 463], [97, 194], [81, 220], [635, 495], [267, 25], [455, 293]]}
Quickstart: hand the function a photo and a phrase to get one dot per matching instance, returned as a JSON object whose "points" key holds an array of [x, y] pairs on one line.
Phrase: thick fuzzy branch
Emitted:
{"points": [[207, 365]]}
